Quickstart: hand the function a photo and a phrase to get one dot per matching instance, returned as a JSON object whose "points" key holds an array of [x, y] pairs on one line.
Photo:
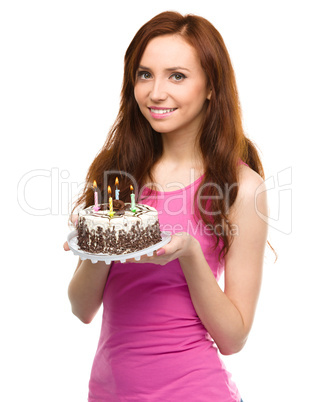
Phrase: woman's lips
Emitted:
{"points": [[160, 112]]}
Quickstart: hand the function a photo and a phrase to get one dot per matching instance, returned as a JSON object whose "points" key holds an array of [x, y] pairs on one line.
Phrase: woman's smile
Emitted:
{"points": [[160, 112]]}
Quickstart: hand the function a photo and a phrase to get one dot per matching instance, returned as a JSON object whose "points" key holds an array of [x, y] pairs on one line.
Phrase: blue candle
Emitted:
{"points": [[117, 191]]}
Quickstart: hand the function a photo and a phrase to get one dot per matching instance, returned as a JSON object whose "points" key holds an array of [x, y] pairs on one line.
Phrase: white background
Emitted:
{"points": [[60, 73]]}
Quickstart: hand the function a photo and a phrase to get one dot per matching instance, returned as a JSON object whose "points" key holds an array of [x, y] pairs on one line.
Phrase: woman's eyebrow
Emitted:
{"points": [[167, 69], [177, 68]]}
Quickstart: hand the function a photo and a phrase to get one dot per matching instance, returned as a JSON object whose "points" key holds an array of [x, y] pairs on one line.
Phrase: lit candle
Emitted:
{"points": [[133, 209], [110, 200], [96, 203], [117, 191]]}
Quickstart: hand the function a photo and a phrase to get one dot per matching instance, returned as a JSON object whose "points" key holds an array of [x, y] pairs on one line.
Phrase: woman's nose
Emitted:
{"points": [[158, 91]]}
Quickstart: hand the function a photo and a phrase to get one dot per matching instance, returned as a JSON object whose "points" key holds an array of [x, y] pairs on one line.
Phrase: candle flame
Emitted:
{"points": [[109, 190], [116, 181], [94, 184], [131, 187]]}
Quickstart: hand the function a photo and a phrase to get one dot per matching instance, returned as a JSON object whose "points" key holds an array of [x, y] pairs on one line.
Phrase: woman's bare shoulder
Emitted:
{"points": [[251, 192], [250, 182]]}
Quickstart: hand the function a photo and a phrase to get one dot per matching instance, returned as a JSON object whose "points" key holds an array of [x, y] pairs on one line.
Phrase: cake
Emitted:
{"points": [[126, 231]]}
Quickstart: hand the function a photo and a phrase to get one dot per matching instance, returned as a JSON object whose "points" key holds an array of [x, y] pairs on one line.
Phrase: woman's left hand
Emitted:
{"points": [[181, 245]]}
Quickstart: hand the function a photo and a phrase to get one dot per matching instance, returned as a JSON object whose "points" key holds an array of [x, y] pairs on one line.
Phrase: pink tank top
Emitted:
{"points": [[153, 346]]}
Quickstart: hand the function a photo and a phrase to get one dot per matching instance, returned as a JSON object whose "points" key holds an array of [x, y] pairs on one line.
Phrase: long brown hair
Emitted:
{"points": [[132, 146]]}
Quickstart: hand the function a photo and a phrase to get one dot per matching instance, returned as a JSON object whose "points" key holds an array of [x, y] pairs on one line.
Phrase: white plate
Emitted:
{"points": [[107, 258]]}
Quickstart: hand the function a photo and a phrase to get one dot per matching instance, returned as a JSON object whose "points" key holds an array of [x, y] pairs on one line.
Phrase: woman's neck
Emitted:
{"points": [[181, 162], [181, 150]]}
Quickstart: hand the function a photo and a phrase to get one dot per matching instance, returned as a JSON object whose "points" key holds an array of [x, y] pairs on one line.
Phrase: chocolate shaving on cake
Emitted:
{"points": [[118, 205]]}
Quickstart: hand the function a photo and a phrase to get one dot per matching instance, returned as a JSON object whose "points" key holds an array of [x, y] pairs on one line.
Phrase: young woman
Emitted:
{"points": [[179, 135]]}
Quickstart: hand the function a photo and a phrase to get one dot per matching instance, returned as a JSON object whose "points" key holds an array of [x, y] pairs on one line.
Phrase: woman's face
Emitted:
{"points": [[171, 86]]}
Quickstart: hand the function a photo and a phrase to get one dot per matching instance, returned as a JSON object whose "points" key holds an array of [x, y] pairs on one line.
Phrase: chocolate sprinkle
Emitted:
{"points": [[106, 242]]}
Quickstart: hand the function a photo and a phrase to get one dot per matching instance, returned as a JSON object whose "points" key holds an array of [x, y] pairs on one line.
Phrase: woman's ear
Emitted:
{"points": [[209, 94]]}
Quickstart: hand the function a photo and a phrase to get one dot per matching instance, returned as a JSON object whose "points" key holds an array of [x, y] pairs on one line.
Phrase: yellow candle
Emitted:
{"points": [[111, 211]]}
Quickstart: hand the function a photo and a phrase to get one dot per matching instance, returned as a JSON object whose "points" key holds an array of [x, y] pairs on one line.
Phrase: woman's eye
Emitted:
{"points": [[178, 76], [144, 75]]}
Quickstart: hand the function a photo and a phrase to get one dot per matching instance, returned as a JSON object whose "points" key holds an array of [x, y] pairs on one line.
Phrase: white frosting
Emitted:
{"points": [[144, 214]]}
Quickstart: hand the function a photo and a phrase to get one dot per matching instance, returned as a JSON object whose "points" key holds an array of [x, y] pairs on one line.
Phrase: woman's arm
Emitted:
{"points": [[86, 289], [227, 315]]}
